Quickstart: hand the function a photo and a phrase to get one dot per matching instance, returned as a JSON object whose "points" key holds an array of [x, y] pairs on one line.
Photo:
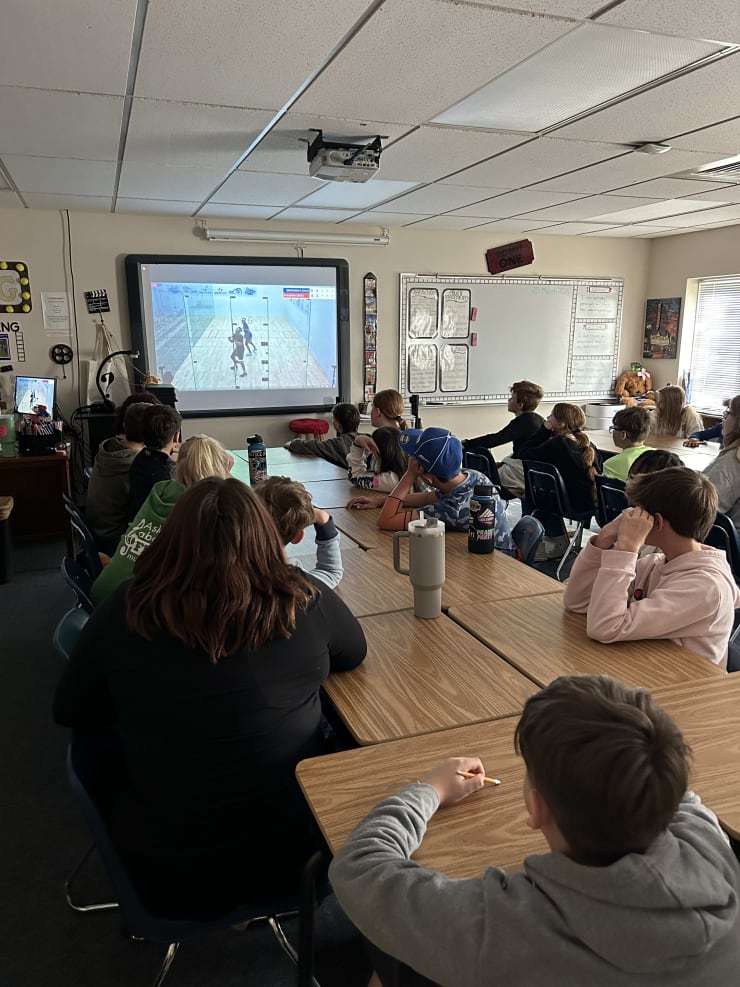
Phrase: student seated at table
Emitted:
{"points": [[200, 456], [711, 434], [672, 416], [377, 462], [160, 429], [724, 472], [387, 409], [209, 665], [108, 489], [523, 399], [290, 507], [562, 442], [435, 456], [653, 460], [629, 429], [639, 887], [686, 594], [346, 421]]}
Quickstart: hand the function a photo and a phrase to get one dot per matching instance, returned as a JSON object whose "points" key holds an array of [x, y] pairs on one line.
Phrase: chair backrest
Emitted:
{"points": [[84, 543], [68, 630], [733, 650], [481, 459], [527, 535], [723, 534], [611, 499], [546, 493], [80, 582]]}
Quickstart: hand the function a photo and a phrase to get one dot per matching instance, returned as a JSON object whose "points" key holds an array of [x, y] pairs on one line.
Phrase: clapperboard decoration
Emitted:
{"points": [[97, 301]]}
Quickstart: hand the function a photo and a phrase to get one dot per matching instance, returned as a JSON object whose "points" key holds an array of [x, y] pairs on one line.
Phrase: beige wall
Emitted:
{"points": [[100, 241]]}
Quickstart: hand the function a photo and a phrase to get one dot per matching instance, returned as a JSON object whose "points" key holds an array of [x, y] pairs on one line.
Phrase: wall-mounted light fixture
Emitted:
{"points": [[285, 236]]}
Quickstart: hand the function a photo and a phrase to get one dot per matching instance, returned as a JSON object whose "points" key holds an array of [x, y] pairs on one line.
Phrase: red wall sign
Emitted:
{"points": [[509, 256]]}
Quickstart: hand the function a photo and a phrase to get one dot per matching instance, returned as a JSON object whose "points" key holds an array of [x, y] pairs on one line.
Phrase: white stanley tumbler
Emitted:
{"points": [[426, 564]]}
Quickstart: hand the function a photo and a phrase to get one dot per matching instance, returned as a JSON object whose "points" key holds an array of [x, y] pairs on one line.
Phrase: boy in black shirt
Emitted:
{"points": [[160, 429]]}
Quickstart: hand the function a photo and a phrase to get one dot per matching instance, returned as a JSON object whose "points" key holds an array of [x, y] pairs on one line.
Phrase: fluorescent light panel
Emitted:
{"points": [[285, 236], [589, 66]]}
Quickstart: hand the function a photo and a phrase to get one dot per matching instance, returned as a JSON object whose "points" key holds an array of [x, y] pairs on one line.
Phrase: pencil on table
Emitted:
{"points": [[472, 774]]}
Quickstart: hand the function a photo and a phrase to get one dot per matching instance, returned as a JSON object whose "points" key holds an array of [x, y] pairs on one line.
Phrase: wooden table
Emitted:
{"points": [[362, 527], [371, 585], [330, 494], [698, 458], [543, 641], [299, 468], [489, 828], [420, 676], [36, 484]]}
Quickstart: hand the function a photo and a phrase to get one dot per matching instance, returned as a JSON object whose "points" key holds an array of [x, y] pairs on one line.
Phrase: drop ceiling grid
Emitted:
{"points": [[585, 208], [717, 215], [430, 153], [230, 210], [523, 225], [384, 217], [227, 51], [555, 8], [441, 198], [513, 203], [261, 189], [298, 214], [538, 160], [414, 59], [141, 180], [351, 195], [699, 19], [666, 188], [86, 203], [721, 138], [190, 135], [40, 37], [704, 96], [65, 175], [652, 211], [731, 193], [630, 168], [59, 125]]}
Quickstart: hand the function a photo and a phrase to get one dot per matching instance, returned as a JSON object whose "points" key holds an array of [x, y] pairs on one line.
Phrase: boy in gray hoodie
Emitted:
{"points": [[640, 887]]}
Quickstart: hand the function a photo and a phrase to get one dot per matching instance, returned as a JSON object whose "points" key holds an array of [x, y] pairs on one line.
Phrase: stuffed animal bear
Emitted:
{"points": [[635, 387]]}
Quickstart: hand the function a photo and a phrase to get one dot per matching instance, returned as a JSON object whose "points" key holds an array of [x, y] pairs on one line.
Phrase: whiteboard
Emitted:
{"points": [[465, 340]]}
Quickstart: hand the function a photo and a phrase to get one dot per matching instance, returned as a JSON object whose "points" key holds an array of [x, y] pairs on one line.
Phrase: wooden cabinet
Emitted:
{"points": [[36, 484]]}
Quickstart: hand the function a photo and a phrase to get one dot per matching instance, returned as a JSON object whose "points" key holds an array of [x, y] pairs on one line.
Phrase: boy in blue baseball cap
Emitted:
{"points": [[435, 455]]}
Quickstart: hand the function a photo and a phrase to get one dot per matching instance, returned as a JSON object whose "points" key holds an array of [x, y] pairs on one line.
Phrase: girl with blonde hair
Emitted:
{"points": [[672, 415], [200, 456], [562, 442], [724, 472], [387, 409]]}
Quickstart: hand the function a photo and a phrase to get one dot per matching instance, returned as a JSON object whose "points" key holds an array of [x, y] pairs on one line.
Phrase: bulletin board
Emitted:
{"points": [[465, 340]]}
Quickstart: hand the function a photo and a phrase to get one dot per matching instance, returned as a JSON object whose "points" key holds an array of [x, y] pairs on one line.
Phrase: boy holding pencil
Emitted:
{"points": [[640, 887]]}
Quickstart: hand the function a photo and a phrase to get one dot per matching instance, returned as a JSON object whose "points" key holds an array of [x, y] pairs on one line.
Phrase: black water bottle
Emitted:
{"points": [[482, 527]]}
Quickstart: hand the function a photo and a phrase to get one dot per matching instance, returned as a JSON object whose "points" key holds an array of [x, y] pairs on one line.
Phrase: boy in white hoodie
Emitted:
{"points": [[686, 594]]}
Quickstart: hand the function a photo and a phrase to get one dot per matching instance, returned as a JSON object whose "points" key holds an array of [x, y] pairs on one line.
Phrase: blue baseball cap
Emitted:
{"points": [[437, 449]]}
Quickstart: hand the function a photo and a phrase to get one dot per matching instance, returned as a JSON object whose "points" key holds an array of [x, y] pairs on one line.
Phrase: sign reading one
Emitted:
{"points": [[509, 256]]}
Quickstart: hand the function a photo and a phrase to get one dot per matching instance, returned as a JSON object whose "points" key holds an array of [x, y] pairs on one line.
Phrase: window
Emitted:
{"points": [[715, 350]]}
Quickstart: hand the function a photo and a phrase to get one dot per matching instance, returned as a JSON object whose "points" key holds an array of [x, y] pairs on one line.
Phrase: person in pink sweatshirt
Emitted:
{"points": [[685, 592]]}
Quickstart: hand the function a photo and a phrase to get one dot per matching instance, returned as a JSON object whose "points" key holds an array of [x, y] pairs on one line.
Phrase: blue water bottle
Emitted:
{"points": [[257, 454], [482, 527]]}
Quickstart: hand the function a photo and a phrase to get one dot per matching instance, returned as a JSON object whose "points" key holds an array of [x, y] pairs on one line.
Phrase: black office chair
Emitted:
{"points": [[611, 499], [527, 535], [723, 534], [86, 551], [80, 582], [547, 500], [92, 764], [481, 459], [68, 630]]}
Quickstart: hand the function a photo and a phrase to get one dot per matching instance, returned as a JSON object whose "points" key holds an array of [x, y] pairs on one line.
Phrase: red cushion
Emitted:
{"points": [[309, 426]]}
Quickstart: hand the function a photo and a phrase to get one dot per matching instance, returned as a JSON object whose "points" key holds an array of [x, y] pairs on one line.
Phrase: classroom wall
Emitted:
{"points": [[100, 241], [674, 261]]}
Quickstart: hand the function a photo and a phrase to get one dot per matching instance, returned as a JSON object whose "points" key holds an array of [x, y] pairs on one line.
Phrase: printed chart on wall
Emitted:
{"points": [[464, 340]]}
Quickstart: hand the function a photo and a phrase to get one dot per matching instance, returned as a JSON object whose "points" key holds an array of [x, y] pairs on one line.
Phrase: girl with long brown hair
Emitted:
{"points": [[672, 416], [387, 409], [209, 665], [562, 442], [724, 472]]}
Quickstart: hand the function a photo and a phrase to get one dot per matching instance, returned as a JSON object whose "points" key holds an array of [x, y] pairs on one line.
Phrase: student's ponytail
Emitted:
{"points": [[570, 418], [402, 423], [587, 458]]}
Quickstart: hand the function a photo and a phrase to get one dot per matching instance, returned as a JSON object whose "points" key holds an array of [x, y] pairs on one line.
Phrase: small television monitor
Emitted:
{"points": [[242, 335], [33, 392]]}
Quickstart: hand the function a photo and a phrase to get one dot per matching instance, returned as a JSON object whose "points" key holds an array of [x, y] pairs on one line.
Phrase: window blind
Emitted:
{"points": [[715, 351]]}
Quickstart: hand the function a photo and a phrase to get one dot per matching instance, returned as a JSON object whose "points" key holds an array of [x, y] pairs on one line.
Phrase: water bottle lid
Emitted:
{"points": [[254, 438], [483, 490]]}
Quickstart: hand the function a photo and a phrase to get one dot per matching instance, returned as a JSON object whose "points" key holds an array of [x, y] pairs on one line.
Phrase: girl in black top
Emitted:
{"points": [[209, 665]]}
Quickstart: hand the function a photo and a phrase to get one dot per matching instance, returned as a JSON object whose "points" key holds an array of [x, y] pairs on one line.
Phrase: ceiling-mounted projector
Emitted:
{"points": [[334, 161]]}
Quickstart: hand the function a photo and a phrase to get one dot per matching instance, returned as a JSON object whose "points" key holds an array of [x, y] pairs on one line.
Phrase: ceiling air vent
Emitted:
{"points": [[724, 171]]}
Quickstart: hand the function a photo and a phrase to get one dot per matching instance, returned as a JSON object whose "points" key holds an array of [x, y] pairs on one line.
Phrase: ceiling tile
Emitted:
{"points": [[534, 162], [430, 153], [575, 229], [512, 226], [78, 45], [441, 198], [381, 218], [284, 149], [722, 138], [84, 203], [296, 214], [141, 180], [652, 210], [228, 53], [587, 207], [631, 231], [62, 175], [615, 174], [9, 200], [718, 21], [666, 188], [731, 193], [388, 65], [513, 203], [190, 135], [448, 223], [162, 207], [359, 195], [265, 190], [702, 218], [558, 8], [704, 96], [228, 210], [59, 125]]}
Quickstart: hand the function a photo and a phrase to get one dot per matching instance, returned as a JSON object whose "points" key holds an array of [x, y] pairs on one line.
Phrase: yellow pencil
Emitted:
{"points": [[472, 774]]}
